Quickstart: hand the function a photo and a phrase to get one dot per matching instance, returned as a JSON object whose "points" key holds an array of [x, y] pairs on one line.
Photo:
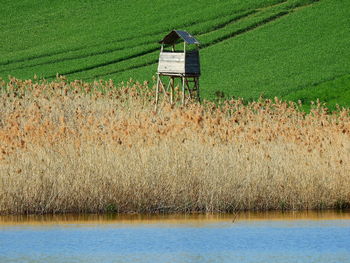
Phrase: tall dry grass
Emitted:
{"points": [[92, 147]]}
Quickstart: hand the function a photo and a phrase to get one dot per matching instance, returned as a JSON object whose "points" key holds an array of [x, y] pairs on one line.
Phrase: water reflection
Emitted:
{"points": [[199, 219], [252, 237]]}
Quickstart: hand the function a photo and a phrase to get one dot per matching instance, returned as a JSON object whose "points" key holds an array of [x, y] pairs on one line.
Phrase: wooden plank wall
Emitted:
{"points": [[171, 62], [181, 63], [192, 63]]}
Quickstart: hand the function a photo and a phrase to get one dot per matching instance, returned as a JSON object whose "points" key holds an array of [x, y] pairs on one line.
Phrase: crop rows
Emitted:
{"points": [[229, 27], [100, 55], [249, 48]]}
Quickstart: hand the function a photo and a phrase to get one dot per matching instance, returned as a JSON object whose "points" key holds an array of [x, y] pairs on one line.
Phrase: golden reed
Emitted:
{"points": [[92, 147]]}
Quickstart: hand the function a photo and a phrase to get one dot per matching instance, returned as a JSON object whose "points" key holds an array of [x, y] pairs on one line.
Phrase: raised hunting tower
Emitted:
{"points": [[183, 65]]}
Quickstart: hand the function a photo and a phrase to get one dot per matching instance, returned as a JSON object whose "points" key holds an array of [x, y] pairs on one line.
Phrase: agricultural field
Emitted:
{"points": [[293, 49]]}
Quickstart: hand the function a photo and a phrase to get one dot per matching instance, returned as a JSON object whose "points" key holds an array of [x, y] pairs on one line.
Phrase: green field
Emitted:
{"points": [[294, 49]]}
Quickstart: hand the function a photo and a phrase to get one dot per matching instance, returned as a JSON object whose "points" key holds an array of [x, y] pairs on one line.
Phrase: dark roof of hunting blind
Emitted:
{"points": [[175, 35]]}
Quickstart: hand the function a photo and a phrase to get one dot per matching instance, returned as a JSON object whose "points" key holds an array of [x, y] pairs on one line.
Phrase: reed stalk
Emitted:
{"points": [[94, 147]]}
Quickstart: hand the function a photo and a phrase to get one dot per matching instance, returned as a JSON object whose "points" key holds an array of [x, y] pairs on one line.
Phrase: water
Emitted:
{"points": [[269, 237]]}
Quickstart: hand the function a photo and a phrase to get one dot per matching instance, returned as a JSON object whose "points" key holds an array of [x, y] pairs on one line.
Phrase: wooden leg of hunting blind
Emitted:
{"points": [[164, 89], [168, 88], [199, 95], [183, 90], [197, 89], [172, 90], [157, 93], [189, 90]]}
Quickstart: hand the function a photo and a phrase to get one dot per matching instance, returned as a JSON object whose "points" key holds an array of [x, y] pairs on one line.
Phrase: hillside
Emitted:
{"points": [[293, 49]]}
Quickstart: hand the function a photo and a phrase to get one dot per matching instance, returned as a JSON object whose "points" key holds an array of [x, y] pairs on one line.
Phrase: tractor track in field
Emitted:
{"points": [[217, 41], [217, 27], [259, 24], [223, 38], [247, 29], [48, 55], [149, 51], [152, 62], [74, 57], [107, 63], [156, 33], [315, 84]]}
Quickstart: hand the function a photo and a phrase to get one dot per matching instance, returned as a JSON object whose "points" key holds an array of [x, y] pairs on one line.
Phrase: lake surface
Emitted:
{"points": [[249, 237]]}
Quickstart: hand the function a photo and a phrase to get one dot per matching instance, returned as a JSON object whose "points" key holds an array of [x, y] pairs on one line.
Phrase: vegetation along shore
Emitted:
{"points": [[94, 147]]}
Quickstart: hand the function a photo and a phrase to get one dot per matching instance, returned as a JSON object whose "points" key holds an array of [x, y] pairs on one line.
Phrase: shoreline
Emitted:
{"points": [[49, 219]]}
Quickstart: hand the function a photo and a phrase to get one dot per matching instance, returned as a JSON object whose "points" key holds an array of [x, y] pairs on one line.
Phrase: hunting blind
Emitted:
{"points": [[183, 65]]}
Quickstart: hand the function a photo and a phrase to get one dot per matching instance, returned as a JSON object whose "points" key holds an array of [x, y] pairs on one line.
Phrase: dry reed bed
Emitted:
{"points": [[92, 147]]}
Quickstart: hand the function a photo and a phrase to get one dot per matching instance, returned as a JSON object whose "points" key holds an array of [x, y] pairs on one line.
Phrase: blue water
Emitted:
{"points": [[318, 241]]}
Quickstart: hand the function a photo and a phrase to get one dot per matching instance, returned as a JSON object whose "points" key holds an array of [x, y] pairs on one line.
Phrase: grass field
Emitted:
{"points": [[293, 49], [90, 147]]}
